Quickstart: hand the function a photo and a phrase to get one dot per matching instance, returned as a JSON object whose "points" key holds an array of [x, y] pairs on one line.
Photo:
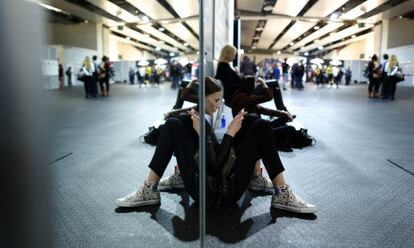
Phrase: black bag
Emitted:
{"points": [[302, 139], [151, 137], [399, 77], [287, 137]]}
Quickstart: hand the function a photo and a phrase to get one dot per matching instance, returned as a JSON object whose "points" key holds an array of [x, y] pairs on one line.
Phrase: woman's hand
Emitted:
{"points": [[236, 123], [289, 116], [196, 120]]}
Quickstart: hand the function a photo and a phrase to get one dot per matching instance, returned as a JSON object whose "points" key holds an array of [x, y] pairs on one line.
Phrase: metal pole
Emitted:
{"points": [[202, 167]]}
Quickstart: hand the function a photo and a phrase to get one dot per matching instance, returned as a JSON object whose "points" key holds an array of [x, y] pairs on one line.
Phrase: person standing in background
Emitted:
{"points": [[348, 75], [247, 67], [61, 77], [87, 70], [393, 70], [285, 73], [384, 80], [131, 75], [374, 76], [69, 76], [95, 79]]}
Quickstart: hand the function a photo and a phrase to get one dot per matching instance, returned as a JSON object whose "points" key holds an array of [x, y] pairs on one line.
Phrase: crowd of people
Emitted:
{"points": [[232, 165]]}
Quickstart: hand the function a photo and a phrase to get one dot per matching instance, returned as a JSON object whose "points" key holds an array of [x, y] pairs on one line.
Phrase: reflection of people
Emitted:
{"points": [[247, 139], [229, 78], [247, 67]]}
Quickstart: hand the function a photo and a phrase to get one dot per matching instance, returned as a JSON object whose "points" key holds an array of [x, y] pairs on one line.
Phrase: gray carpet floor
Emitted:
{"points": [[359, 174]]}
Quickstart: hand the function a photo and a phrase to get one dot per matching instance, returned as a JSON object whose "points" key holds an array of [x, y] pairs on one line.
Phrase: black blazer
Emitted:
{"points": [[230, 80]]}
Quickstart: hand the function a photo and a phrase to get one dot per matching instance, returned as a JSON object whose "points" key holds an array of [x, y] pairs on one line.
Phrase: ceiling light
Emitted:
{"points": [[278, 52], [198, 53], [316, 27], [400, 17], [185, 44], [145, 18], [353, 36], [306, 54], [291, 43], [158, 48], [172, 54], [253, 47], [320, 47], [268, 8], [317, 41], [127, 38], [256, 38], [50, 7], [259, 29], [85, 21], [333, 33], [161, 29], [334, 16]]}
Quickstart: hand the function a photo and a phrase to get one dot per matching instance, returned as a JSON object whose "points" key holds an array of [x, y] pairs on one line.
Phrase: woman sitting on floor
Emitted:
{"points": [[247, 139]]}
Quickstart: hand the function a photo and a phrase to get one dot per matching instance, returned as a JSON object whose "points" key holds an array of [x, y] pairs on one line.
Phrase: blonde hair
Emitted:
{"points": [[392, 61], [87, 63], [226, 53]]}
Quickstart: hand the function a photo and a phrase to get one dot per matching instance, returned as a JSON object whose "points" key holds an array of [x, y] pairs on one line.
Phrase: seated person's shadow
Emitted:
{"points": [[224, 224]]}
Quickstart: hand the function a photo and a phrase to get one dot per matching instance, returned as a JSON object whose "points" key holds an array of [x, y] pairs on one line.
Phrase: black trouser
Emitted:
{"points": [[103, 81], [181, 140], [392, 85], [179, 102], [87, 82], [254, 141], [94, 85], [277, 94], [277, 97], [374, 84]]}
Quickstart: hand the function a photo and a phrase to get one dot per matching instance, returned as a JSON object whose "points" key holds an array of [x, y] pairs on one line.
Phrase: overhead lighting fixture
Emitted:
{"points": [[172, 54], [291, 43], [253, 47], [145, 18], [256, 38], [317, 41], [334, 16], [353, 36], [333, 33], [158, 48], [127, 38], [50, 7], [306, 54], [85, 21], [259, 29], [278, 52], [316, 27], [161, 29], [185, 44], [320, 47], [268, 7], [198, 53], [400, 17]]}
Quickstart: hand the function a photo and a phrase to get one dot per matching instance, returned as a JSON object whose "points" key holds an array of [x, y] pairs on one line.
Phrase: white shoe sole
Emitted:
{"points": [[295, 209], [180, 186], [136, 204]]}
